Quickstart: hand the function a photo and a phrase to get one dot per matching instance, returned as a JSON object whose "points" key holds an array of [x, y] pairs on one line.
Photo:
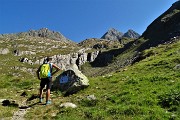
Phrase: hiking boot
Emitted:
{"points": [[40, 100], [48, 102]]}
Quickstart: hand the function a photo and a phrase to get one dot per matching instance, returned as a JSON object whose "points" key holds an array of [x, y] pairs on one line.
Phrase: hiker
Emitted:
{"points": [[45, 74]]}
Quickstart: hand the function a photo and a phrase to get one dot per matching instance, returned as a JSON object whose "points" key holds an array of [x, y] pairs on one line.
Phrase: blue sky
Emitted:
{"points": [[79, 19]]}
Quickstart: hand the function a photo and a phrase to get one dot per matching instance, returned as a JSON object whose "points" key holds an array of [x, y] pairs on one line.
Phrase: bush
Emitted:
{"points": [[170, 100]]}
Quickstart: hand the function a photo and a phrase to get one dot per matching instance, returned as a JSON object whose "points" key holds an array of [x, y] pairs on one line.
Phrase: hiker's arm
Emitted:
{"points": [[56, 67]]}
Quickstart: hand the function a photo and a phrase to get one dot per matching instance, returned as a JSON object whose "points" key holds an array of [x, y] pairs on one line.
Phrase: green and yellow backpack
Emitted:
{"points": [[45, 70]]}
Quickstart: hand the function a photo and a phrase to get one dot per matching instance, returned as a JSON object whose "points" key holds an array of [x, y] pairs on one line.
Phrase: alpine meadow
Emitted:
{"points": [[129, 76]]}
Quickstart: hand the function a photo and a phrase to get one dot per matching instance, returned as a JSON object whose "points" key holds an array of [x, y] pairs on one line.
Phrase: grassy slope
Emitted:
{"points": [[13, 81], [149, 89]]}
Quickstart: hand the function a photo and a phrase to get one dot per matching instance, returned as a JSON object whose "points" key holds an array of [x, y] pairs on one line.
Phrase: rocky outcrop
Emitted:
{"points": [[71, 81], [64, 61]]}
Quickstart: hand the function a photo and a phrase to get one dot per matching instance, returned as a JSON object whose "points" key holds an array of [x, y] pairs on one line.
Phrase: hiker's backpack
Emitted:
{"points": [[45, 70]]}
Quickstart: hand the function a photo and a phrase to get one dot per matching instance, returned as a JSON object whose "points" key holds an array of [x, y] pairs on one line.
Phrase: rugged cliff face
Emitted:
{"points": [[65, 61]]}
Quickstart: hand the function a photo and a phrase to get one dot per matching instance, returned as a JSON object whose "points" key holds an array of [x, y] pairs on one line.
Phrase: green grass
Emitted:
{"points": [[146, 90]]}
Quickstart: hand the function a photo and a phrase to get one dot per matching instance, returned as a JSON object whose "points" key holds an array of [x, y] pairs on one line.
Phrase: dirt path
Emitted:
{"points": [[19, 115]]}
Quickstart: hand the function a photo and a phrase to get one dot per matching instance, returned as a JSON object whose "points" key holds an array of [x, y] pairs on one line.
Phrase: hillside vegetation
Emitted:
{"points": [[148, 89], [130, 79]]}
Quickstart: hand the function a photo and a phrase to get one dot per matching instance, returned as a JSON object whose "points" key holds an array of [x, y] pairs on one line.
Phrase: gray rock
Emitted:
{"points": [[65, 61], [71, 81], [68, 104], [17, 53], [23, 59], [92, 56], [20, 53], [177, 67], [91, 97], [4, 51]]}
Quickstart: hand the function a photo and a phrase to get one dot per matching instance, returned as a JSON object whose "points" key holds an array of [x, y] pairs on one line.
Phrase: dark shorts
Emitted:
{"points": [[47, 82]]}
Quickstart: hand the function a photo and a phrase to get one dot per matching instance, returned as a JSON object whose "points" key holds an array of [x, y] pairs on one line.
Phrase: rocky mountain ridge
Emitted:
{"points": [[131, 34], [45, 32], [42, 33], [113, 34]]}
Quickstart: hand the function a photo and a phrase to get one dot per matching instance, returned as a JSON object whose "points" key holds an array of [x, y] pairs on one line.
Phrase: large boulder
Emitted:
{"points": [[71, 81]]}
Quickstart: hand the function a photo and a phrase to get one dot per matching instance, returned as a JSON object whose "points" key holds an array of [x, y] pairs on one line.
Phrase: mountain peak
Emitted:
{"points": [[45, 32], [112, 34], [131, 34]]}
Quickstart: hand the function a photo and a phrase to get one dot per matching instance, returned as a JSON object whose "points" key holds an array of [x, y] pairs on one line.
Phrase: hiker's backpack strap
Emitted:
{"points": [[50, 64]]}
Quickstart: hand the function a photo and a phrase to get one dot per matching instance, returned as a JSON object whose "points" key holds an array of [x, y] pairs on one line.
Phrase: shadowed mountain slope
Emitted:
{"points": [[162, 29]]}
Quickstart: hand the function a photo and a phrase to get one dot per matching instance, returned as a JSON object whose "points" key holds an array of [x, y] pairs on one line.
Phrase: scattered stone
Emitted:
{"points": [[17, 52], [177, 67], [53, 114], [68, 104], [23, 59], [4, 51], [91, 97]]}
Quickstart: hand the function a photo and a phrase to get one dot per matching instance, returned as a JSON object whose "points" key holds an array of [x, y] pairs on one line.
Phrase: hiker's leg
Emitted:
{"points": [[47, 95], [40, 92], [48, 88], [42, 85]]}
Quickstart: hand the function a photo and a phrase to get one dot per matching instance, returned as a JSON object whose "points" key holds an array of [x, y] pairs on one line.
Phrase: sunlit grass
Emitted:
{"points": [[148, 89]]}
